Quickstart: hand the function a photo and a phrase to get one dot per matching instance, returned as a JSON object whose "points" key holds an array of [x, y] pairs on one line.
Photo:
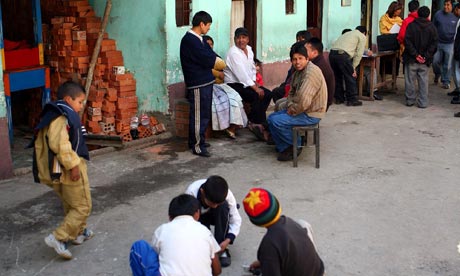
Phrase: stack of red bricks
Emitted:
{"points": [[112, 97]]}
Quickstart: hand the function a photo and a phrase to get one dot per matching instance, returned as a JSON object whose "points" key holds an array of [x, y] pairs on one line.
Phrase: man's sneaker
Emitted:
{"points": [[86, 235], [445, 86], [225, 259], [59, 247]]}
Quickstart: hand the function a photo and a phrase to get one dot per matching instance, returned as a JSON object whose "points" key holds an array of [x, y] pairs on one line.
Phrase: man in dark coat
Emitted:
{"points": [[315, 54], [420, 41]]}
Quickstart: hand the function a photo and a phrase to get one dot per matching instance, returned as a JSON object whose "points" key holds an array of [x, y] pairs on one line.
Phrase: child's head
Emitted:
{"points": [[258, 63], [73, 94], [302, 35], [208, 40], [184, 205], [299, 55], [202, 20], [214, 191], [262, 207]]}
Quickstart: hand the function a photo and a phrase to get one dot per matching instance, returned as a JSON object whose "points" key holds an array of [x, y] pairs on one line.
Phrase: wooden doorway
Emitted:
{"points": [[315, 17], [244, 13], [366, 19]]}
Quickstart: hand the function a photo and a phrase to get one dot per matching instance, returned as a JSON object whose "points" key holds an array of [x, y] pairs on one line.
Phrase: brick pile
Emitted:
{"points": [[112, 100]]}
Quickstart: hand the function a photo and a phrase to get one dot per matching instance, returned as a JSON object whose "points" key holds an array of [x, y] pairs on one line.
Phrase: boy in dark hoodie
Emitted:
{"points": [[420, 41], [59, 162]]}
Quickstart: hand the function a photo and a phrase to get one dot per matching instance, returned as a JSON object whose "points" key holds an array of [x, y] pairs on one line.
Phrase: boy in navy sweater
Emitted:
{"points": [[197, 60]]}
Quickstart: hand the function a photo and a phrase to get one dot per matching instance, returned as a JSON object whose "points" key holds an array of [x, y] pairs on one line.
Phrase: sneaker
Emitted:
{"points": [[455, 100], [225, 259], [59, 247], [86, 235], [355, 103], [445, 86]]}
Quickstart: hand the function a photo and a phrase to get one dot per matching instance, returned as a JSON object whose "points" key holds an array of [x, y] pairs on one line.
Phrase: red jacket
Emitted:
{"points": [[402, 32]]}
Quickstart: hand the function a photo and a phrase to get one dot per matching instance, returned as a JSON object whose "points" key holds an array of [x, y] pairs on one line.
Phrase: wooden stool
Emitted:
{"points": [[303, 132]]}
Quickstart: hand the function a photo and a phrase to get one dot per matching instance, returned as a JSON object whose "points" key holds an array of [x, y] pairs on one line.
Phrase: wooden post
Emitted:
{"points": [[97, 48]]}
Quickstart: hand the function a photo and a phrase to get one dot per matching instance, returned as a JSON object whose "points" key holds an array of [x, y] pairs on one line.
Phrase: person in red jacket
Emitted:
{"points": [[413, 7]]}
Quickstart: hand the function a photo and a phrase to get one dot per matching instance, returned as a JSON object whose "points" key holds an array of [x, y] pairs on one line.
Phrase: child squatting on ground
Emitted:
{"points": [[59, 162], [183, 246]]}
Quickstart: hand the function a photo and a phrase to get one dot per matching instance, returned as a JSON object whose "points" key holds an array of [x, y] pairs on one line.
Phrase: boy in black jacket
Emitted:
{"points": [[420, 41], [197, 60]]}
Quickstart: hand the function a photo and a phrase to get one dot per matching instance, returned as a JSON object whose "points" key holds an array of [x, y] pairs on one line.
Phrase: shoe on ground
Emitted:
{"points": [[86, 235], [445, 86], [286, 155], [377, 97], [355, 103], [454, 93], [337, 101], [225, 259], [457, 114], [59, 247], [202, 154], [455, 100], [206, 145], [436, 79], [409, 104]]}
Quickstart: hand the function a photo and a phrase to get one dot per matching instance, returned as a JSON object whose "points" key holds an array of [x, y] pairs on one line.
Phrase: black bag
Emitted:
{"points": [[387, 42]]}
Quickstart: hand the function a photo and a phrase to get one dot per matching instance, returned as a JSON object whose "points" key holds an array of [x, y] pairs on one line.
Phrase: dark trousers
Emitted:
{"points": [[200, 100], [279, 92], [257, 115], [219, 217], [342, 65]]}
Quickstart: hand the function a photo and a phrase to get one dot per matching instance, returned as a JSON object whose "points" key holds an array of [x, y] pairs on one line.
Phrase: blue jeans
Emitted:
{"points": [[280, 124], [144, 260], [442, 61]]}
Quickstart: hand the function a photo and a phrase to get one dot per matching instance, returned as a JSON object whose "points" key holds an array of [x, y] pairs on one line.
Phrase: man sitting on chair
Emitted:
{"points": [[305, 105]]}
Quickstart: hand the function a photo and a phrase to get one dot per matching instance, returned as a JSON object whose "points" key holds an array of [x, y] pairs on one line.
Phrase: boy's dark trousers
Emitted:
{"points": [[200, 100], [219, 217]]}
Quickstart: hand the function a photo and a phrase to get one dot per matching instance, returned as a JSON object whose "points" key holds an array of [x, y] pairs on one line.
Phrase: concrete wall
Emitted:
{"points": [[139, 28]]}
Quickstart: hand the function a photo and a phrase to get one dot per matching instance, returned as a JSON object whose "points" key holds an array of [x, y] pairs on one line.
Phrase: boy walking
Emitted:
{"points": [[218, 208], [60, 153], [197, 60]]}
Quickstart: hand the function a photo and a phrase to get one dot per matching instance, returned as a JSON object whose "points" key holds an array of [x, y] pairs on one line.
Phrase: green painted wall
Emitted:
{"points": [[2, 92], [276, 30], [138, 26]]}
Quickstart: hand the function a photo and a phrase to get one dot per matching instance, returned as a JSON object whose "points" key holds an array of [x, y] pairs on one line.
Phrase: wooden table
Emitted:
{"points": [[374, 63]]}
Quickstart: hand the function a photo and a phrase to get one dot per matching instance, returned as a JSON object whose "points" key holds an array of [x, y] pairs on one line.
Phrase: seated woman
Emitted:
{"points": [[390, 18], [227, 105]]}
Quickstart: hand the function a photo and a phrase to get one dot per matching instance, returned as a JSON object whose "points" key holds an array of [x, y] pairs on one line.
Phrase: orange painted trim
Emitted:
{"points": [[3, 58], [6, 83], [41, 56], [47, 78]]}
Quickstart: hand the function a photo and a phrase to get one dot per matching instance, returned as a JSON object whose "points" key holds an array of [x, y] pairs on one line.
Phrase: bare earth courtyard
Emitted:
{"points": [[384, 202]]}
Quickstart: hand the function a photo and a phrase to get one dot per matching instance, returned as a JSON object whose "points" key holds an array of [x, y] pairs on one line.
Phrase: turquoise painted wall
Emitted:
{"points": [[336, 18], [276, 30], [139, 28], [220, 32], [2, 92]]}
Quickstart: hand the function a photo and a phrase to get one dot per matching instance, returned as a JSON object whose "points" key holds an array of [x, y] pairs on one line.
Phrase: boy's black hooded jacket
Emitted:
{"points": [[421, 39]]}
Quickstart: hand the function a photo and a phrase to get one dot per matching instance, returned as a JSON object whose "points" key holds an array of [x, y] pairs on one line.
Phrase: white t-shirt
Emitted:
{"points": [[185, 247], [234, 222], [240, 68]]}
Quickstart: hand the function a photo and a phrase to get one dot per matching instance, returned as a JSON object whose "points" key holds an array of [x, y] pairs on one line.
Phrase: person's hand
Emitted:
{"points": [[355, 75], [75, 173], [420, 59], [221, 75], [290, 112], [224, 244], [259, 91], [369, 53], [254, 265]]}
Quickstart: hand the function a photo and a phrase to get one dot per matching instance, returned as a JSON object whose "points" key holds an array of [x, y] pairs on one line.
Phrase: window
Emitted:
{"points": [[183, 9], [289, 6]]}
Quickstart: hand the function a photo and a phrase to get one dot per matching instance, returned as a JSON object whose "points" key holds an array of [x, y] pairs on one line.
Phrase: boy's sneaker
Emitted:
{"points": [[59, 247], [86, 235], [225, 259]]}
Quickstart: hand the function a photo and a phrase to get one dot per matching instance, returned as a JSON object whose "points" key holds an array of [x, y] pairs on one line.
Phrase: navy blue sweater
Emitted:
{"points": [[446, 24], [197, 60]]}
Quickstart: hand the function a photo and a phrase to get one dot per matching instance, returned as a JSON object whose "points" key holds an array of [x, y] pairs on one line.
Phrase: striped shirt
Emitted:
{"points": [[308, 92]]}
